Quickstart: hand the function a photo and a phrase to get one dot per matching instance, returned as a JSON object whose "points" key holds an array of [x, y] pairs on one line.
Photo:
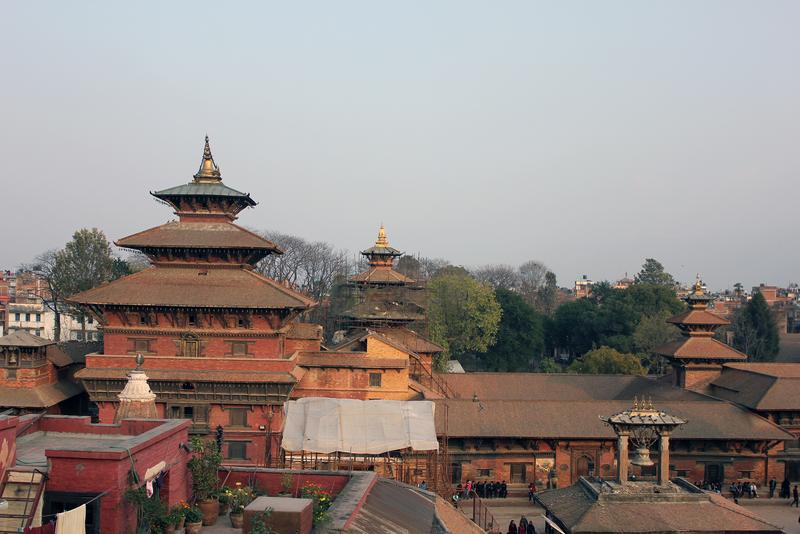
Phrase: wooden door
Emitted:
{"points": [[517, 473]]}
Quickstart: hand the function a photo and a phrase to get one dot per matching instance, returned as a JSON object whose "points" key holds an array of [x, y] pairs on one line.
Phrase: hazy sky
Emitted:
{"points": [[585, 135]]}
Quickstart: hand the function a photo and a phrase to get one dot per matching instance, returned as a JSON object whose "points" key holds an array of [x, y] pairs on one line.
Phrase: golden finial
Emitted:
{"points": [[698, 285], [209, 172], [382, 240], [635, 403]]}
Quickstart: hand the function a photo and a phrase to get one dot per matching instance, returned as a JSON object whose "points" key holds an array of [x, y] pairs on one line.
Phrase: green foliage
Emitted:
{"points": [[755, 330], [463, 315], [607, 361], [204, 467], [322, 500], [520, 338], [239, 496], [654, 331], [193, 514], [86, 260], [259, 525], [653, 273], [152, 514], [610, 317], [548, 365]]}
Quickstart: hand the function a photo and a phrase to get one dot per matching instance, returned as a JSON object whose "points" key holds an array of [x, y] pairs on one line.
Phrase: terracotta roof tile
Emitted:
{"points": [[760, 386], [191, 234], [39, 397], [410, 339], [581, 419], [698, 317], [699, 348], [188, 375], [304, 331], [381, 275], [194, 286], [21, 338]]}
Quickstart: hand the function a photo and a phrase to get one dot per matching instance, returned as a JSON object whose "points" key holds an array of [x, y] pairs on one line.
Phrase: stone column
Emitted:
{"points": [[663, 458], [622, 457]]}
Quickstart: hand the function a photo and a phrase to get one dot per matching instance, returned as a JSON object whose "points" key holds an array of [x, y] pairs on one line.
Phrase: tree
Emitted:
{"points": [[463, 314], [653, 273], [84, 262], [520, 338], [573, 327], [498, 276], [409, 266], [755, 330], [652, 332], [607, 361]]}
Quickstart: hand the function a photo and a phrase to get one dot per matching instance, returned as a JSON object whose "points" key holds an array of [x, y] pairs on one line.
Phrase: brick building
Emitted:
{"points": [[218, 338]]}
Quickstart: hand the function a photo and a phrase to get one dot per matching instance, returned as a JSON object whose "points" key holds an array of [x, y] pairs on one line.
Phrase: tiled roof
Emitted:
{"points": [[39, 397], [304, 331], [355, 360], [760, 386], [390, 311], [410, 339], [195, 286], [69, 352], [581, 419], [699, 348], [698, 317], [203, 189], [21, 338], [172, 375], [583, 512], [196, 234], [562, 387], [381, 275]]}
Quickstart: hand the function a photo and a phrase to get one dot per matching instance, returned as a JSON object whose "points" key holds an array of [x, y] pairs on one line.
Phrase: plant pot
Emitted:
{"points": [[224, 509], [237, 520], [210, 509], [194, 528]]}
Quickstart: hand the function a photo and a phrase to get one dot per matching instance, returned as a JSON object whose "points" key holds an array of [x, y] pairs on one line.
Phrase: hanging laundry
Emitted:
{"points": [[149, 488], [72, 521]]}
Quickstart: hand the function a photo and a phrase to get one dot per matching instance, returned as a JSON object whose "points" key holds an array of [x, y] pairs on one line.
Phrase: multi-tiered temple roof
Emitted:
{"points": [[202, 260], [697, 326]]}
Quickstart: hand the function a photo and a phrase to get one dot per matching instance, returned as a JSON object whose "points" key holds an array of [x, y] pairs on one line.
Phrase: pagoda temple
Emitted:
{"points": [[697, 358], [219, 338], [383, 297]]}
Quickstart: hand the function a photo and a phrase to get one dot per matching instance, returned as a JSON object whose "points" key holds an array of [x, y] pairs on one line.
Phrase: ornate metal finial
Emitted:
{"points": [[650, 404], [382, 240], [635, 403], [209, 171], [698, 285], [139, 361]]}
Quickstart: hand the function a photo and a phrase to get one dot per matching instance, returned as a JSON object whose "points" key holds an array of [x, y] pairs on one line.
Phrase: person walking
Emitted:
{"points": [[785, 489], [531, 528], [795, 495], [531, 490], [772, 485], [523, 525], [512, 528]]}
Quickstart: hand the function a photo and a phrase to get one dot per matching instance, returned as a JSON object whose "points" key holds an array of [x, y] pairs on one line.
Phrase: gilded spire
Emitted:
{"points": [[382, 241], [698, 285], [209, 172]]}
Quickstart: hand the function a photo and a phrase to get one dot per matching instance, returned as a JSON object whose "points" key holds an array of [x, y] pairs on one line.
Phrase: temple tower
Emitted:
{"points": [[697, 358]]}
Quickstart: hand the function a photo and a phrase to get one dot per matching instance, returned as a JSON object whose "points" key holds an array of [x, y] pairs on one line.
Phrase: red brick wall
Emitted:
{"points": [[169, 345], [270, 481], [8, 442], [30, 377], [177, 362], [88, 473]]}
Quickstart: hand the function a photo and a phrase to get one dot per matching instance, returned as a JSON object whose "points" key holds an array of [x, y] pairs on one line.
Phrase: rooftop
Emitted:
{"points": [[198, 234], [196, 286], [643, 507], [760, 386]]}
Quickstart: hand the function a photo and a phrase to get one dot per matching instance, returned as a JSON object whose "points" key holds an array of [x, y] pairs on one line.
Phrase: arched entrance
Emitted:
{"points": [[584, 467]]}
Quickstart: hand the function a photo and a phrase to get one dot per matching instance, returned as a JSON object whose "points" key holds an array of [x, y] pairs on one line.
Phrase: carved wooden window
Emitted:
{"points": [[237, 450], [190, 346], [238, 348], [11, 374], [141, 345], [192, 319], [238, 417], [375, 380]]}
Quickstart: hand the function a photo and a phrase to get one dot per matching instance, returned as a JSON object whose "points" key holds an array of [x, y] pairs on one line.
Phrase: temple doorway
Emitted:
{"points": [[584, 467], [517, 473], [715, 473], [793, 471]]}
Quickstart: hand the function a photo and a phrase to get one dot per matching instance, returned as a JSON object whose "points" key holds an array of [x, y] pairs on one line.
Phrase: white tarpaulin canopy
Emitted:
{"points": [[324, 425]]}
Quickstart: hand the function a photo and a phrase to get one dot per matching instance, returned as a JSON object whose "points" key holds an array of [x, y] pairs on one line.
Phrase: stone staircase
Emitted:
{"points": [[22, 490]]}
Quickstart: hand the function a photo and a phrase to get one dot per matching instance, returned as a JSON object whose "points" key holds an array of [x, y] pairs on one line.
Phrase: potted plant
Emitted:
{"points": [[194, 519], [204, 467], [241, 496], [286, 484], [151, 513], [321, 498], [224, 498], [175, 519]]}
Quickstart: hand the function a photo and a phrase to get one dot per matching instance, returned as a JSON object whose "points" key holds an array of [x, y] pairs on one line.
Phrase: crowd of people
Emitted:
{"points": [[524, 527], [748, 488], [483, 489]]}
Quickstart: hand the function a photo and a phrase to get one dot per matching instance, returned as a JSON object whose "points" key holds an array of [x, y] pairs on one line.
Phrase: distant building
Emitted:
{"points": [[583, 287], [36, 317], [624, 282]]}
